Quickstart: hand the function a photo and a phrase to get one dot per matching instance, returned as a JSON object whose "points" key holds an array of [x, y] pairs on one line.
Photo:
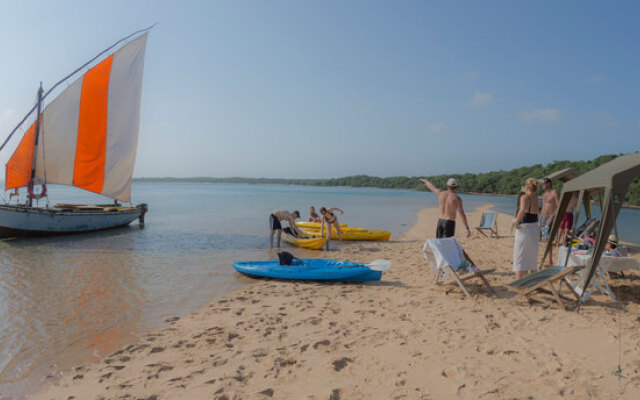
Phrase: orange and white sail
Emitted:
{"points": [[89, 134]]}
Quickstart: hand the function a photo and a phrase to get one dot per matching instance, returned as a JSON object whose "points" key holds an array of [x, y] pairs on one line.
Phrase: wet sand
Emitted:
{"points": [[400, 338]]}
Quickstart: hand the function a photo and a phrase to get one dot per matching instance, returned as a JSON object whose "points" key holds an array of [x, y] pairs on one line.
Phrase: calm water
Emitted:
{"points": [[68, 300]]}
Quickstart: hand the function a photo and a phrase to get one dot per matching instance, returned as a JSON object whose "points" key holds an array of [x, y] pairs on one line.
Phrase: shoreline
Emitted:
{"points": [[397, 338], [187, 180]]}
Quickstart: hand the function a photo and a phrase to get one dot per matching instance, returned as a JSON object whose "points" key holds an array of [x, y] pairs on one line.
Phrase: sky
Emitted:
{"points": [[321, 89]]}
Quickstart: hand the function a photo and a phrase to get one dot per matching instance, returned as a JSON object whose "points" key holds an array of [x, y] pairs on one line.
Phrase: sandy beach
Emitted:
{"points": [[400, 338]]}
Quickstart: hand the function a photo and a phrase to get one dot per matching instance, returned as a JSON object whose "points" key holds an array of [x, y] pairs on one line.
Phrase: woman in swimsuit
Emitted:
{"points": [[330, 219], [525, 250]]}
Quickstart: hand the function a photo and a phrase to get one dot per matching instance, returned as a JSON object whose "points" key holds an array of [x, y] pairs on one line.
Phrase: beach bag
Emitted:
{"points": [[285, 258]]}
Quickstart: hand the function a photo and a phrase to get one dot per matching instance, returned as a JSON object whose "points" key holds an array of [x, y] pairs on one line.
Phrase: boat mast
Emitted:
{"points": [[35, 143]]}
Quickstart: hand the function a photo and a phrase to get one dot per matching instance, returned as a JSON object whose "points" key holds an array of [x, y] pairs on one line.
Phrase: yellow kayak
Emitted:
{"points": [[314, 225], [311, 242], [354, 234]]}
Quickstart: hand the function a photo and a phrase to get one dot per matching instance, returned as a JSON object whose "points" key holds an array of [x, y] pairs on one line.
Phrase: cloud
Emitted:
{"points": [[436, 127], [597, 78], [480, 99], [546, 115]]}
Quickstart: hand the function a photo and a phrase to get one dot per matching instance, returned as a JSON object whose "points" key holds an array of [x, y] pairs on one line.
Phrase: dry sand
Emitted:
{"points": [[400, 338]]}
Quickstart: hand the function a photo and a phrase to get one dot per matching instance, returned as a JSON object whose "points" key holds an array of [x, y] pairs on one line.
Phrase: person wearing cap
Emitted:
{"points": [[450, 205], [611, 248], [282, 215]]}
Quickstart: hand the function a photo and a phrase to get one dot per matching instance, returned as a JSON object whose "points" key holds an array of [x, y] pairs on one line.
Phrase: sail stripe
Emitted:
{"points": [[59, 136], [88, 172], [18, 169], [125, 90]]}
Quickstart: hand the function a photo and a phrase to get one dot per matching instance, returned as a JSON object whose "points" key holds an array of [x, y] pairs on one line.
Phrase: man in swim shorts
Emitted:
{"points": [[549, 207], [282, 215], [450, 205]]}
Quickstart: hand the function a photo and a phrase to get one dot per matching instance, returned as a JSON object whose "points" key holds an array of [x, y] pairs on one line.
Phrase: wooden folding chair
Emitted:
{"points": [[488, 222], [543, 282], [450, 261]]}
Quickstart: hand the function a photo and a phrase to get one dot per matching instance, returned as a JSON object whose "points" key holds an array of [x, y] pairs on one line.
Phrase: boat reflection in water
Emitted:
{"points": [[67, 302]]}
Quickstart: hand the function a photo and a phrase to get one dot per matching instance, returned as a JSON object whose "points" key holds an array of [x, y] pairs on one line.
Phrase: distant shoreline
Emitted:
{"points": [[283, 181]]}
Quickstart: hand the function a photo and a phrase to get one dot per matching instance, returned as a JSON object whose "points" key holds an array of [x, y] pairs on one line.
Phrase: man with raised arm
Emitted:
{"points": [[450, 205], [282, 215]]}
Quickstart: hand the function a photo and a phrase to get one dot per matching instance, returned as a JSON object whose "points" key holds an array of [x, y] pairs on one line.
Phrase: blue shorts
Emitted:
{"points": [[545, 230]]}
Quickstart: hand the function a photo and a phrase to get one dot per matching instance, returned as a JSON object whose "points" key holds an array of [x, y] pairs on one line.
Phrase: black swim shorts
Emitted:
{"points": [[274, 223], [446, 228]]}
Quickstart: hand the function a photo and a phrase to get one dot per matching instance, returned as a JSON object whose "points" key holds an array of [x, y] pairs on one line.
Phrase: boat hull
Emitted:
{"points": [[373, 235], [309, 242], [25, 221], [309, 269]]}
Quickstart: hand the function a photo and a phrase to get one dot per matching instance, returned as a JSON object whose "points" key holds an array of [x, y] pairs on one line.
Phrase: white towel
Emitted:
{"points": [[446, 251], [525, 249]]}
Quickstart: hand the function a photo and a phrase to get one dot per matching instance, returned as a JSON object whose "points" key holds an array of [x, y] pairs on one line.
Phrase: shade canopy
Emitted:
{"points": [[564, 175], [612, 180]]}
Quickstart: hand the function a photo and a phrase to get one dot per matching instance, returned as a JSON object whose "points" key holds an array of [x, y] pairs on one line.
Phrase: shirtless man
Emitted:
{"points": [[549, 208], [282, 215], [450, 205]]}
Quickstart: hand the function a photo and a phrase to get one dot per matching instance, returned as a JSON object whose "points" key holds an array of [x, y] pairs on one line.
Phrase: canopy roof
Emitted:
{"points": [[616, 175], [564, 175]]}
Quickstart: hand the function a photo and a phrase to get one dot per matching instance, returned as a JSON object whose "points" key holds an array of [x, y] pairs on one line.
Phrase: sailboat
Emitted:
{"points": [[85, 137]]}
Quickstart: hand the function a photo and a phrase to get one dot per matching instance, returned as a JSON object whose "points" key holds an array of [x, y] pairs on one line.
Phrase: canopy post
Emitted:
{"points": [[609, 214]]}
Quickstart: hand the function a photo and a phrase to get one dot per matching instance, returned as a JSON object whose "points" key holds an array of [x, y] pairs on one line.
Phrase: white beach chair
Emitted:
{"points": [[447, 258]]}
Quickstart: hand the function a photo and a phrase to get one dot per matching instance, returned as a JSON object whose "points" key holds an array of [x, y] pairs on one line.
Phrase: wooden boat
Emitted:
{"points": [[85, 137]]}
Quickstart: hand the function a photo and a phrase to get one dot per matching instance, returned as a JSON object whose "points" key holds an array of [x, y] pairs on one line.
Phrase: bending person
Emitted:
{"points": [[329, 218], [275, 220], [450, 205]]}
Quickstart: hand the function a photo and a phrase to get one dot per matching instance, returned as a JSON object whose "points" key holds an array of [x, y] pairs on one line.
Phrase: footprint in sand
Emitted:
{"points": [[339, 364]]}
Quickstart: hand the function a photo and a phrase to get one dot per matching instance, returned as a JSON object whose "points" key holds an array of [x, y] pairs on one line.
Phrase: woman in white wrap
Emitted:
{"points": [[525, 250]]}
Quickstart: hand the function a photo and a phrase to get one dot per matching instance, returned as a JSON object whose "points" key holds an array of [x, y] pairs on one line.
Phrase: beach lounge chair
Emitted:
{"points": [[451, 264], [488, 222], [533, 286]]}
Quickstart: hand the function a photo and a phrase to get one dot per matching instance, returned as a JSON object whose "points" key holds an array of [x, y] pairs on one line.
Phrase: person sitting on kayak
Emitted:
{"points": [[282, 215], [329, 218], [313, 216]]}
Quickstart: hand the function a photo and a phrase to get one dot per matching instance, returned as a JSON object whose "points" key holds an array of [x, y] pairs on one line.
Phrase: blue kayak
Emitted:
{"points": [[309, 269]]}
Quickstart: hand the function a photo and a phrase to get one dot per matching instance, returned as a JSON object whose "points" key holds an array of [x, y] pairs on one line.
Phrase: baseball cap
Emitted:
{"points": [[452, 182]]}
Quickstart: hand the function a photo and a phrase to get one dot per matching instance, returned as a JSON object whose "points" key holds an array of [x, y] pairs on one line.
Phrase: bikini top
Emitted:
{"points": [[529, 217], [332, 217]]}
